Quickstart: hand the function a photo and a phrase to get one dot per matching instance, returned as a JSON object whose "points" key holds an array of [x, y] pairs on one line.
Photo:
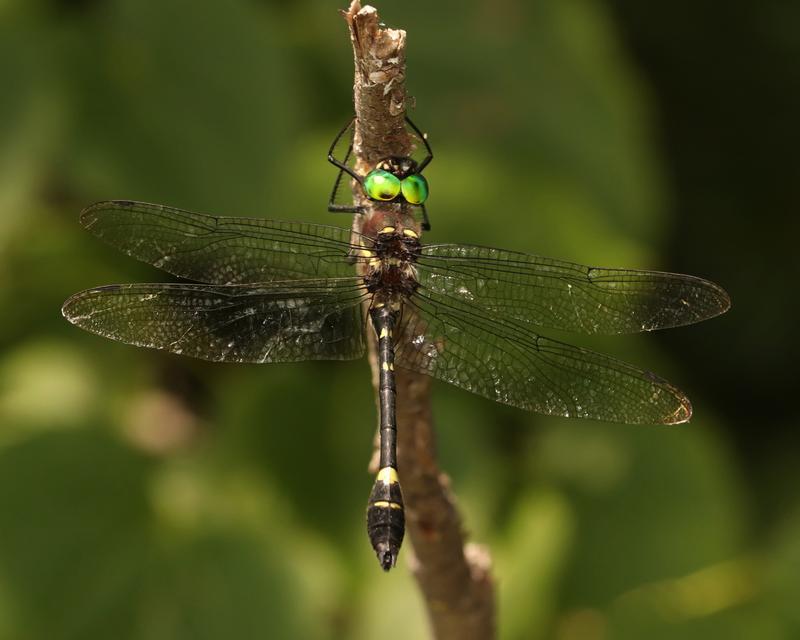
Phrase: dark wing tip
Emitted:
{"points": [[68, 308], [723, 300], [676, 406], [683, 413], [681, 409], [89, 215], [65, 308]]}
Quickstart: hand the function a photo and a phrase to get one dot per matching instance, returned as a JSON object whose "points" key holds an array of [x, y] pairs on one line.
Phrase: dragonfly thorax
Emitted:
{"points": [[390, 269]]}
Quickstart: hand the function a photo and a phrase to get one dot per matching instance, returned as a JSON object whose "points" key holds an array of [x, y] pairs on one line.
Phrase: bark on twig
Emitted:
{"points": [[454, 579]]}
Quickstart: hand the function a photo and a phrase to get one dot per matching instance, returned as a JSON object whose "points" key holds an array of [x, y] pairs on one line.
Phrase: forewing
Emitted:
{"points": [[219, 250], [562, 295], [506, 362], [281, 322]]}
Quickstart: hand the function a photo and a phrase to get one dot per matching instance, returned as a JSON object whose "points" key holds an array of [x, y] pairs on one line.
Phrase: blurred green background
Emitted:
{"points": [[148, 496]]}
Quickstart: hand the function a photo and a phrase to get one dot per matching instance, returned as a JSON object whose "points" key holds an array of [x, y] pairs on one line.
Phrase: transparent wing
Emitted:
{"points": [[220, 250], [506, 362], [562, 295], [277, 322]]}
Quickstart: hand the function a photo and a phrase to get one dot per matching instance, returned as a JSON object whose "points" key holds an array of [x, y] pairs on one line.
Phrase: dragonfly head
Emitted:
{"points": [[400, 166], [396, 179]]}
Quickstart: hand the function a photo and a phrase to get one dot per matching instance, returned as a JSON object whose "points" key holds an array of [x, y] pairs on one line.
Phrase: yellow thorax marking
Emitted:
{"points": [[388, 475], [410, 233], [387, 230]]}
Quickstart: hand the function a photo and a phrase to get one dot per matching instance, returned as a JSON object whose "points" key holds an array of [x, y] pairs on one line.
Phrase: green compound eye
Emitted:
{"points": [[381, 185], [415, 189]]}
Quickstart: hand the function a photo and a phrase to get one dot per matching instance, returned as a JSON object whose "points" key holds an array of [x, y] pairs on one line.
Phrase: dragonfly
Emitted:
{"points": [[271, 291]]}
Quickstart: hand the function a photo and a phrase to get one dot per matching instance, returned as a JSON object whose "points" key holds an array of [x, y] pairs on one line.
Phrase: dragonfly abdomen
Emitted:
{"points": [[386, 522], [385, 517]]}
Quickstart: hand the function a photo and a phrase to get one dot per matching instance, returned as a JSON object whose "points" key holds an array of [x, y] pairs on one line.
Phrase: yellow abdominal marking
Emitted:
{"points": [[388, 475], [386, 503], [384, 333]]}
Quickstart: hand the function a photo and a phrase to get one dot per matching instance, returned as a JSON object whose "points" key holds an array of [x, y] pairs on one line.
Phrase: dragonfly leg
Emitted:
{"points": [[333, 206], [342, 164], [426, 223], [424, 139], [344, 208]]}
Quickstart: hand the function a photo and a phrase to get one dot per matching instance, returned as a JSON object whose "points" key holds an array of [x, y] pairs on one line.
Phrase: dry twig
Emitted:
{"points": [[454, 579]]}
